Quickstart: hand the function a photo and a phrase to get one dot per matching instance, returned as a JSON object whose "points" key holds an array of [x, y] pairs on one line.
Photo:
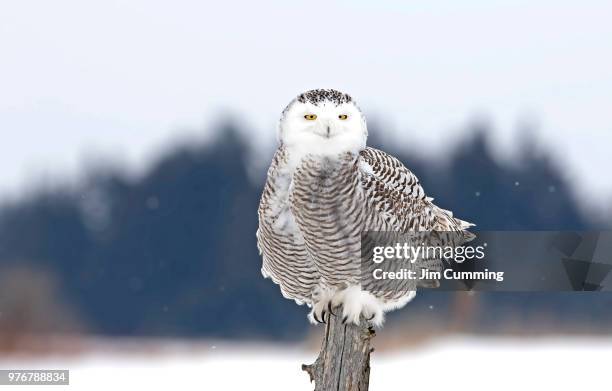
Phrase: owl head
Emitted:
{"points": [[323, 122]]}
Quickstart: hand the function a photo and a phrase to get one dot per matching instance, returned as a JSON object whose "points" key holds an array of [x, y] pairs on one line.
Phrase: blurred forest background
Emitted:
{"points": [[173, 252]]}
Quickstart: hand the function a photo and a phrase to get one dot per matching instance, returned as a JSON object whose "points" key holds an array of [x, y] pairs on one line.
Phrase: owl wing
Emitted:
{"points": [[396, 195], [285, 258]]}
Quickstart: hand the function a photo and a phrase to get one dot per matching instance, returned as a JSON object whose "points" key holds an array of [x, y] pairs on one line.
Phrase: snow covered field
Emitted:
{"points": [[459, 363]]}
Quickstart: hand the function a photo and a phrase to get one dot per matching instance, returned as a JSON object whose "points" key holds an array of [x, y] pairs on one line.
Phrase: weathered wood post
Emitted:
{"points": [[344, 360]]}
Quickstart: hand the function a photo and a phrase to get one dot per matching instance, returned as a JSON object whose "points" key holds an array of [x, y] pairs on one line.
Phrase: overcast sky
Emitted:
{"points": [[124, 79]]}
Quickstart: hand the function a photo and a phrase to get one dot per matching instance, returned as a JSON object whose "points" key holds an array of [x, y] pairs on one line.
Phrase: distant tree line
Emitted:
{"points": [[174, 252]]}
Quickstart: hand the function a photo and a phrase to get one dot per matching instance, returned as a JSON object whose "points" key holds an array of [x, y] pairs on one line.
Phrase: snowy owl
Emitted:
{"points": [[324, 188]]}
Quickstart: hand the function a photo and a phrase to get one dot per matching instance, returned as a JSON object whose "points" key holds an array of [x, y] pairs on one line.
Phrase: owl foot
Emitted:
{"points": [[322, 307], [357, 303], [319, 312]]}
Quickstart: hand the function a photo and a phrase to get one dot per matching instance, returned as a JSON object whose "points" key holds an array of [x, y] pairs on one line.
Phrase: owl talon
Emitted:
{"points": [[320, 308], [329, 308], [344, 319]]}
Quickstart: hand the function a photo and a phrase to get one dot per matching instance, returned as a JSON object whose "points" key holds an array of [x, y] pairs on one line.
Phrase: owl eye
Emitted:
{"points": [[310, 117], [343, 116]]}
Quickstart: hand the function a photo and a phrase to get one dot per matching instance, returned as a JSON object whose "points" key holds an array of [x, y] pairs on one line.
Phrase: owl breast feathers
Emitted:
{"points": [[311, 218]]}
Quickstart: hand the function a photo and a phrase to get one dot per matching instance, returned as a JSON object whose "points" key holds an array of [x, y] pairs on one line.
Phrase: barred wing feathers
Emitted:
{"points": [[398, 197], [285, 257]]}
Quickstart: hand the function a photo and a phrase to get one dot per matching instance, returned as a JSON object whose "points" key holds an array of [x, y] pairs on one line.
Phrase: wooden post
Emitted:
{"points": [[344, 360]]}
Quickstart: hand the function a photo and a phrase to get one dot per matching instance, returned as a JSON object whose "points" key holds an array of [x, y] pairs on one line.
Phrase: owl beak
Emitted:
{"points": [[328, 131]]}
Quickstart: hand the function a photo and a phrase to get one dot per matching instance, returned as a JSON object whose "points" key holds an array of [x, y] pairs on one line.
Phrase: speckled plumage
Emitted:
{"points": [[315, 206], [317, 96]]}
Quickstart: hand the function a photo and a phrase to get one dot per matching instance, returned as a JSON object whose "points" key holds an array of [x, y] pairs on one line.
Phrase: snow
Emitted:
{"points": [[464, 362]]}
